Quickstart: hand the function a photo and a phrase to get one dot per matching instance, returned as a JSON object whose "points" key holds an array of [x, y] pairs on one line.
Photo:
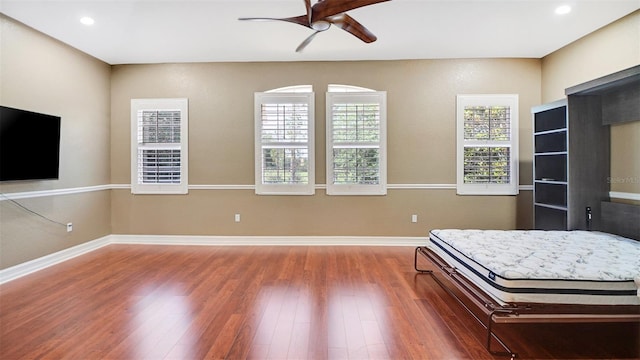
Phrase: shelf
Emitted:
{"points": [[547, 181], [550, 218], [564, 129], [552, 194], [550, 206], [552, 119], [550, 142], [551, 153], [552, 166]]}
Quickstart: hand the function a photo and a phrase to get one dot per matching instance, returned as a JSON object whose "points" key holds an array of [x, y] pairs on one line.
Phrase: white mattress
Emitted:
{"points": [[563, 267]]}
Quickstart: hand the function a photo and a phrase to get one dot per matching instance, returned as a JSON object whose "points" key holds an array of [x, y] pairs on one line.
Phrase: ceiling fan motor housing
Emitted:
{"points": [[320, 25]]}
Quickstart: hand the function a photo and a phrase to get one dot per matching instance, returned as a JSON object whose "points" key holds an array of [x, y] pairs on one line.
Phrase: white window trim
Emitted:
{"points": [[510, 100], [357, 97], [181, 104], [336, 88], [285, 97], [292, 89]]}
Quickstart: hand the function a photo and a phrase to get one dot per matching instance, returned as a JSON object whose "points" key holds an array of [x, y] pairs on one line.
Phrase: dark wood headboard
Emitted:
{"points": [[621, 219]]}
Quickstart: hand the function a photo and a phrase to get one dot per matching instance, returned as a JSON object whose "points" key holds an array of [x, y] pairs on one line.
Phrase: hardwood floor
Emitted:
{"points": [[200, 302]]}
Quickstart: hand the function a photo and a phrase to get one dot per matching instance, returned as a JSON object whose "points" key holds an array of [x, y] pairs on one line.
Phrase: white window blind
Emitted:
{"points": [[284, 143], [159, 146], [487, 144], [356, 143]]}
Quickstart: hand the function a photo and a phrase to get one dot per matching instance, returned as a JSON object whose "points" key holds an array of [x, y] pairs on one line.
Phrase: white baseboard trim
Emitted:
{"points": [[267, 240], [46, 261]]}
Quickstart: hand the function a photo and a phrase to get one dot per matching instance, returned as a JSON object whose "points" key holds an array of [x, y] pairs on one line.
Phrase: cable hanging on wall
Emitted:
{"points": [[30, 211]]}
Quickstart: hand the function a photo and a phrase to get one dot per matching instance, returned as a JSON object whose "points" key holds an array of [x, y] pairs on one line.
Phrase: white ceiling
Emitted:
{"points": [[145, 31]]}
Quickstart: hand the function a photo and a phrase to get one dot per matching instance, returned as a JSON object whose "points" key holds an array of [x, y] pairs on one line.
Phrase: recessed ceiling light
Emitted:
{"points": [[563, 9], [87, 20]]}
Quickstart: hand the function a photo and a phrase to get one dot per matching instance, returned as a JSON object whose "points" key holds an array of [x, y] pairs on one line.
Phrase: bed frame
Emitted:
{"points": [[617, 218]]}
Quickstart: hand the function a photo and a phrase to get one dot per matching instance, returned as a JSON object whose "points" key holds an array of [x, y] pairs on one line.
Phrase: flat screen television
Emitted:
{"points": [[29, 145]]}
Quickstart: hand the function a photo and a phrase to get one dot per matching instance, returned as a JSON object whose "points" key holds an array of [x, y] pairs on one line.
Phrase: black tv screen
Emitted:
{"points": [[29, 145]]}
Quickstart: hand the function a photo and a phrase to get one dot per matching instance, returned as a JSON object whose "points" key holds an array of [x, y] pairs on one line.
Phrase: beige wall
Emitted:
{"points": [[40, 74], [613, 48], [421, 131]]}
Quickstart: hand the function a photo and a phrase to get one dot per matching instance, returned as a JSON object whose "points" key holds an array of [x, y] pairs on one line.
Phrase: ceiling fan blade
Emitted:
{"points": [[307, 4], [326, 8], [300, 20], [306, 42], [350, 25]]}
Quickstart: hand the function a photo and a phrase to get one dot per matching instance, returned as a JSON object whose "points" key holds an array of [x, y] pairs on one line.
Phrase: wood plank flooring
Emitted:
{"points": [[201, 302]]}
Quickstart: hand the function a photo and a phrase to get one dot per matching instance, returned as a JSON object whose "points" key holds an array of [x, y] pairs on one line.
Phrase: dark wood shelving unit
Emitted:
{"points": [[571, 160], [550, 164]]}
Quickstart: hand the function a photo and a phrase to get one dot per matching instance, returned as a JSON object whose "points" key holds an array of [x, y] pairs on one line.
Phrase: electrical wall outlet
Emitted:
{"points": [[414, 218], [237, 218], [69, 227]]}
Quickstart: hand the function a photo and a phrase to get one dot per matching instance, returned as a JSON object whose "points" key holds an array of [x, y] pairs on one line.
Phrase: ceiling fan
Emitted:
{"points": [[325, 13]]}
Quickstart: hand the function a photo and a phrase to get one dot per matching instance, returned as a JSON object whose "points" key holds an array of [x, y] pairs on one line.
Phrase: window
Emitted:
{"points": [[284, 142], [159, 146], [487, 144], [356, 141]]}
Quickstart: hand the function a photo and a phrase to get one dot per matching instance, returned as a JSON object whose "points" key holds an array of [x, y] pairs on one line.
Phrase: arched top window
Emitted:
{"points": [[356, 141], [292, 89], [333, 88], [284, 138]]}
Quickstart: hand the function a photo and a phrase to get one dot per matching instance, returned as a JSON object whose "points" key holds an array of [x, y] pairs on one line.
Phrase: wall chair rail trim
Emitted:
{"points": [[53, 192], [86, 189]]}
